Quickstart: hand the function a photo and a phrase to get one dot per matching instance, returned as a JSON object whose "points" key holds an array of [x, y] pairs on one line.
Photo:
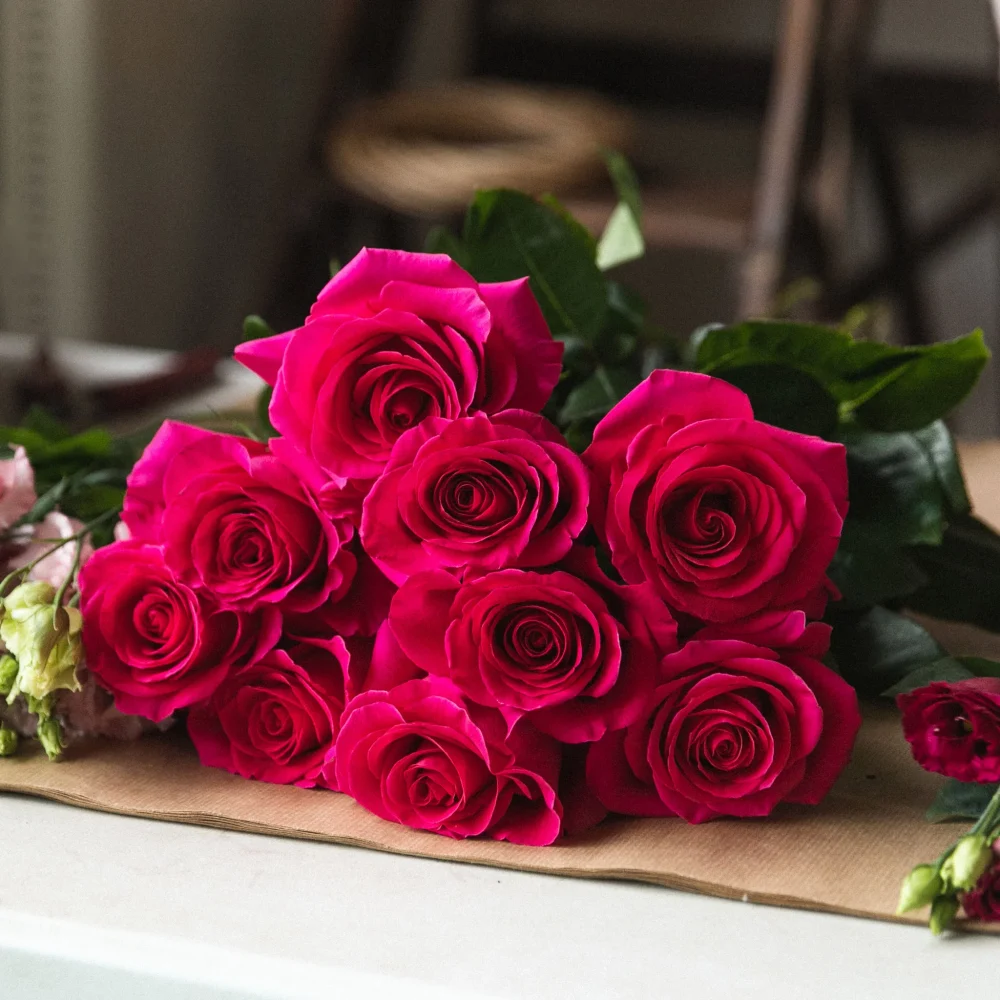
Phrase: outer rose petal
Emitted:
{"points": [[519, 323], [264, 356]]}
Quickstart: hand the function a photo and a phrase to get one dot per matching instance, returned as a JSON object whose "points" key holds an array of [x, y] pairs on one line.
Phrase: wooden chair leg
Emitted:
{"points": [[781, 147]]}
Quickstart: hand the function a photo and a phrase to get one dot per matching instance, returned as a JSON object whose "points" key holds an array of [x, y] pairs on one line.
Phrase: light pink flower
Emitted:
{"points": [[17, 488], [55, 568]]}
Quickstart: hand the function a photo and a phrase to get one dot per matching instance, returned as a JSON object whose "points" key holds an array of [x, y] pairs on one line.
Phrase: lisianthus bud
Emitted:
{"points": [[971, 857], [44, 639], [51, 737], [8, 742], [8, 674], [943, 911], [921, 887]]}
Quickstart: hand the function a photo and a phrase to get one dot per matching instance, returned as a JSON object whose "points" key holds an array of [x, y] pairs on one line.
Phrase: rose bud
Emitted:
{"points": [[954, 728]]}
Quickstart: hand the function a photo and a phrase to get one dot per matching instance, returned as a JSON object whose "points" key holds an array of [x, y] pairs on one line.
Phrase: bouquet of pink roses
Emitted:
{"points": [[502, 560]]}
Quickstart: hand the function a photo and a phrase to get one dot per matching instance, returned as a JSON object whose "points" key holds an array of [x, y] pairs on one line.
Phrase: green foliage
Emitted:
{"points": [[876, 649], [256, 328], [81, 474], [878, 386], [963, 575], [787, 397], [960, 800], [509, 235]]}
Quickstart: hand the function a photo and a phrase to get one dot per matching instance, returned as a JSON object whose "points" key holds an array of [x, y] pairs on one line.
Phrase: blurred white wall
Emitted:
{"points": [[148, 155]]}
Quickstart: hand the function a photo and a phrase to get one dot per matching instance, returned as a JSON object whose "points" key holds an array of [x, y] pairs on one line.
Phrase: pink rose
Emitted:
{"points": [[396, 337], [234, 520], [476, 492], [59, 564], [569, 649], [732, 730], [418, 754], [725, 515], [277, 719], [153, 642], [954, 729], [17, 488]]}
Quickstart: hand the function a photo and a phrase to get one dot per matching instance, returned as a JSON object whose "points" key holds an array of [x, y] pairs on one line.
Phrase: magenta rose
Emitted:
{"points": [[983, 902], [153, 642], [567, 648], [731, 730], [394, 338], [277, 719], [483, 492], [954, 729], [725, 515], [420, 755], [236, 521]]}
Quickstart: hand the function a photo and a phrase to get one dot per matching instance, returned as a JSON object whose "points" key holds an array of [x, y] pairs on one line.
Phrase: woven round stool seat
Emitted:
{"points": [[426, 152]]}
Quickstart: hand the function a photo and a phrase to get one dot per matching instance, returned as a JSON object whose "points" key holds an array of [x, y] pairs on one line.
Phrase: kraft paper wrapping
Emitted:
{"points": [[847, 855]]}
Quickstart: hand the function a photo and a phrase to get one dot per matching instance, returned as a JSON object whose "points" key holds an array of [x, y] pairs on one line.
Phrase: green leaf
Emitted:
{"points": [[980, 666], [963, 575], [896, 493], [509, 235], [39, 420], [621, 240], [878, 648], [961, 800], [885, 388], [948, 668], [868, 572], [939, 446], [624, 180], [262, 412], [786, 397], [440, 239], [256, 328], [930, 385], [597, 394]]}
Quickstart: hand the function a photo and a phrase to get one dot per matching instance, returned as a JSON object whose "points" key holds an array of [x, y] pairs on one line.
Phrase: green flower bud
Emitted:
{"points": [[921, 887], [971, 857], [45, 639], [943, 911], [51, 737], [8, 742], [8, 674]]}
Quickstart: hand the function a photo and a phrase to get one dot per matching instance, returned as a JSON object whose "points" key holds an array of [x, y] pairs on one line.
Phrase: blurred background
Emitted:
{"points": [[167, 168]]}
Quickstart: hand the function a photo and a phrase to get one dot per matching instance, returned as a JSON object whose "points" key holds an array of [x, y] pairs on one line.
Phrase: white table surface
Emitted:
{"points": [[95, 906]]}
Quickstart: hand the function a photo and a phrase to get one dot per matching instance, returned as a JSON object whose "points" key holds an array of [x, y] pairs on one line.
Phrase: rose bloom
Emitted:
{"points": [[725, 515], [396, 337], [153, 642], [732, 729], [234, 520], [17, 488], [954, 729], [983, 902], [277, 719], [483, 492], [420, 755], [567, 648]]}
